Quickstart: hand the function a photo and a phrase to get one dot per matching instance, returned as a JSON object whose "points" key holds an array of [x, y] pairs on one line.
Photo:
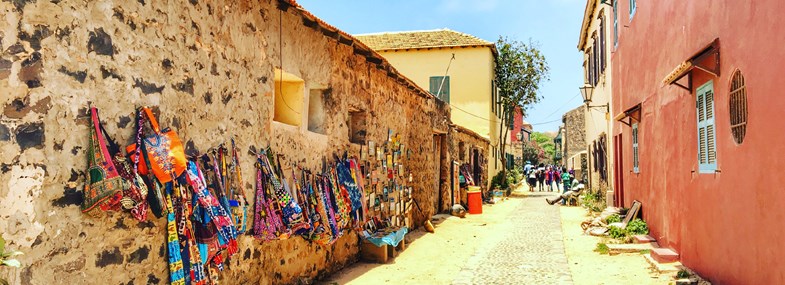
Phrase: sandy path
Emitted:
{"points": [[436, 258], [589, 267]]}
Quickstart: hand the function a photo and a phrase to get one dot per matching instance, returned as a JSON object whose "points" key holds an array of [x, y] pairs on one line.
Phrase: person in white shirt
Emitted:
{"points": [[577, 187]]}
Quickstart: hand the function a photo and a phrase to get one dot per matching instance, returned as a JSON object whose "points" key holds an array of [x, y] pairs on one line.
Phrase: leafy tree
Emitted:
{"points": [[520, 68], [546, 143]]}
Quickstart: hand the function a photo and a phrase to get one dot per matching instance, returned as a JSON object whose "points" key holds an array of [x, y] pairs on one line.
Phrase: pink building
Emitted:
{"points": [[698, 137]]}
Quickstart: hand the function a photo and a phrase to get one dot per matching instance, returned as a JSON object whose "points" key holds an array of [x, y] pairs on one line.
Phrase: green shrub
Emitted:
{"points": [[499, 181], [617, 233], [683, 274], [593, 201], [602, 248], [615, 218], [638, 227]]}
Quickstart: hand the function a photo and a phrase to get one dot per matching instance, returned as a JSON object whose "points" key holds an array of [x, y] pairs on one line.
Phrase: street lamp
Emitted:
{"points": [[587, 91]]}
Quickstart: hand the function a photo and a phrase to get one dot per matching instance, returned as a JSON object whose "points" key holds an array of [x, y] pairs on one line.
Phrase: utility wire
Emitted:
{"points": [[280, 54], [562, 107], [438, 92]]}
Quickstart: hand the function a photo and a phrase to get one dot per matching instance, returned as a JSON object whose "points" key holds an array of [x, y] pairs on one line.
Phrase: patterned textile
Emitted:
{"points": [[326, 194], [218, 215], [104, 186], [134, 196], [291, 212], [238, 203], [267, 224], [341, 201], [304, 205], [176, 274], [347, 181], [321, 233], [358, 177]]}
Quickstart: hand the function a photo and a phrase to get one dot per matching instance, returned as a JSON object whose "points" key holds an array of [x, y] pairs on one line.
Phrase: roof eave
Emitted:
{"points": [[588, 14], [492, 46]]}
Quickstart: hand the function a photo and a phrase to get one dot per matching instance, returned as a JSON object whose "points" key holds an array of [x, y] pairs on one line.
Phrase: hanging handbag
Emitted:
{"points": [[163, 148], [104, 186], [238, 203], [135, 196]]}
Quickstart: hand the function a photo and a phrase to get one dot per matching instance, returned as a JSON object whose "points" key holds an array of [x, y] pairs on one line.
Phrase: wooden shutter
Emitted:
{"points": [[602, 43], [434, 85], [635, 157], [446, 89], [707, 145], [615, 23]]}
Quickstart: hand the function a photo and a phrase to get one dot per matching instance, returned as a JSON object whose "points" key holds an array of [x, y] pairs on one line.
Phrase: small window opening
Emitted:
{"points": [[289, 93], [738, 107], [357, 127], [316, 114]]}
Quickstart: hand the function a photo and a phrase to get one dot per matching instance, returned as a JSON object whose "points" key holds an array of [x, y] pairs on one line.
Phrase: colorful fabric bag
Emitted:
{"points": [[163, 148], [237, 202], [104, 186]]}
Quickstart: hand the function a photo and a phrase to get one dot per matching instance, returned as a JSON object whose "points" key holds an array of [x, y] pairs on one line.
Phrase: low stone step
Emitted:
{"points": [[664, 255], [614, 249], [661, 268], [643, 239]]}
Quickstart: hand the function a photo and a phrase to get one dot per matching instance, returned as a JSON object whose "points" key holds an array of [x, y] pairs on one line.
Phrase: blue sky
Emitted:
{"points": [[554, 24]]}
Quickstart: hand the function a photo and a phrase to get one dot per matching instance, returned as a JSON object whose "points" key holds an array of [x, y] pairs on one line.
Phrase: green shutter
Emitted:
{"points": [[434, 85], [707, 147], [444, 93]]}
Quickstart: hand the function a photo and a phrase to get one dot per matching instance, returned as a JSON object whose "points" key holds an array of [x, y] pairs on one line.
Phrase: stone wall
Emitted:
{"points": [[207, 69], [574, 132], [463, 144]]}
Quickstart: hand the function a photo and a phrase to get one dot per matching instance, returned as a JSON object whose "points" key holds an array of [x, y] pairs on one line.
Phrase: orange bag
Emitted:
{"points": [[163, 149]]}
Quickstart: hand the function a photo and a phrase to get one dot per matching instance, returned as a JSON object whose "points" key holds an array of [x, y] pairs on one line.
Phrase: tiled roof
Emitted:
{"points": [[373, 57], [420, 39]]}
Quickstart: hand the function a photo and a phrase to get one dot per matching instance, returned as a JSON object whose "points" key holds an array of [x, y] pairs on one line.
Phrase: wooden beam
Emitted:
{"points": [[283, 5], [311, 23], [345, 40]]}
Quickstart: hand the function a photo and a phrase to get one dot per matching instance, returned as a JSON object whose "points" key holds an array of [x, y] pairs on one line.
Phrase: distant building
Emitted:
{"points": [[515, 147], [698, 132], [573, 131]]}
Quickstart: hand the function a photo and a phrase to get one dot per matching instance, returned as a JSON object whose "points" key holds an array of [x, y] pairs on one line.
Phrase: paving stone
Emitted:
{"points": [[531, 253]]}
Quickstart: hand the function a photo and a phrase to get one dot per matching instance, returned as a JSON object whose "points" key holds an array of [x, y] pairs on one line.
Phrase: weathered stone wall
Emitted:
{"points": [[463, 144], [574, 132], [207, 68]]}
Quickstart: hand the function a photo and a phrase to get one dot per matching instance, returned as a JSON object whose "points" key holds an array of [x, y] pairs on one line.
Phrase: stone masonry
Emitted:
{"points": [[574, 132], [207, 69]]}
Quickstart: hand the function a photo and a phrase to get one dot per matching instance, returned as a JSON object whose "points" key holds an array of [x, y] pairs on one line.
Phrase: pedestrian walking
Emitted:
{"points": [[541, 177], [532, 179], [557, 178], [549, 178], [565, 177]]}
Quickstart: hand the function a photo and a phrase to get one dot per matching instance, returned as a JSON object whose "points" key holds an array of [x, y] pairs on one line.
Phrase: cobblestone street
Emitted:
{"points": [[531, 251]]}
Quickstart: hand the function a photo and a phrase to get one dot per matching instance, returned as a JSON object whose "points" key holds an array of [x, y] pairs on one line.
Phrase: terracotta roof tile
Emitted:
{"points": [[420, 39]]}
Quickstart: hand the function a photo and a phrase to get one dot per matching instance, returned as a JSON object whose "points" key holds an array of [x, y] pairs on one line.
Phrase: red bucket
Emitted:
{"points": [[475, 202]]}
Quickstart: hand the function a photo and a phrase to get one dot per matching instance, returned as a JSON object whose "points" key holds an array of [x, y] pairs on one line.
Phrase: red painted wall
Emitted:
{"points": [[517, 125], [727, 226]]}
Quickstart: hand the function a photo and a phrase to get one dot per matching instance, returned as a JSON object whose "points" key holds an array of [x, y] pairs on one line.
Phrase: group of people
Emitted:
{"points": [[543, 177]]}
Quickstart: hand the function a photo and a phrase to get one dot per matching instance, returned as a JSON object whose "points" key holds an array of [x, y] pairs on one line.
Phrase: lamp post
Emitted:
{"points": [[587, 91]]}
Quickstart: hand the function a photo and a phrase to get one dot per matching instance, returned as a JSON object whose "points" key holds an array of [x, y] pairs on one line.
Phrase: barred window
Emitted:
{"points": [[738, 107]]}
